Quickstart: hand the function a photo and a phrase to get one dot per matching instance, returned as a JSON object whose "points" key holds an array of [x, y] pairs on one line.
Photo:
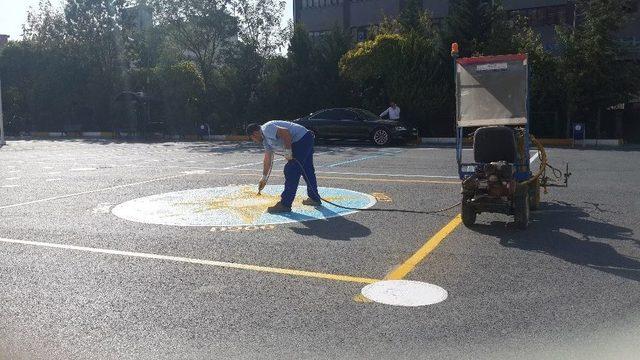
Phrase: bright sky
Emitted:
{"points": [[13, 14]]}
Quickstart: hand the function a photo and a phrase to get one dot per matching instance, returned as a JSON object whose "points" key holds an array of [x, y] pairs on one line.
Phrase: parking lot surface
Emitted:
{"points": [[117, 250]]}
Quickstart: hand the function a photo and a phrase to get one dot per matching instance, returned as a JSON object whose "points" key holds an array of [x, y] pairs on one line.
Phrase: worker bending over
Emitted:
{"points": [[296, 143]]}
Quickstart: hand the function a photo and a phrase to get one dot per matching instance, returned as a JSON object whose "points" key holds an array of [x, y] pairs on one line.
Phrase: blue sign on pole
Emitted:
{"points": [[579, 132]]}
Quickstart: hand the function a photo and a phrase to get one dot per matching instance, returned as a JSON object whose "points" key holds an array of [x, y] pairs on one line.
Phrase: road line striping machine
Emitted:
{"points": [[492, 96]]}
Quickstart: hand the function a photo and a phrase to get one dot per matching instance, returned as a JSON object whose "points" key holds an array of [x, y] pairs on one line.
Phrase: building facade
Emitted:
{"points": [[359, 16], [138, 17], [4, 40]]}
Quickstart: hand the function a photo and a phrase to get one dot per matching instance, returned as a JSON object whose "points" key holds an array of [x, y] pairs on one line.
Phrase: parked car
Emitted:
{"points": [[352, 123]]}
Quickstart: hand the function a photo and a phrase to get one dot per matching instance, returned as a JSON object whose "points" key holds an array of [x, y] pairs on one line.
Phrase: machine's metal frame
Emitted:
{"points": [[523, 169]]}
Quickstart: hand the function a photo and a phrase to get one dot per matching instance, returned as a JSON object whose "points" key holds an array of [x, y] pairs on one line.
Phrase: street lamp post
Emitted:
{"points": [[2, 142]]}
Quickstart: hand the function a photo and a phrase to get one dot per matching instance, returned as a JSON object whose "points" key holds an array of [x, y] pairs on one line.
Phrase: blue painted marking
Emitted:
{"points": [[235, 206]]}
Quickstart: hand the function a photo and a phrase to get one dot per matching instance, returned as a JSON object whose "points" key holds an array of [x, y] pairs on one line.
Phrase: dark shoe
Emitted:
{"points": [[278, 208], [311, 202]]}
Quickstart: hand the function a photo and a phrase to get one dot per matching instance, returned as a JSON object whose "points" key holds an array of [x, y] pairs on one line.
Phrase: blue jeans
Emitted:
{"points": [[303, 152]]}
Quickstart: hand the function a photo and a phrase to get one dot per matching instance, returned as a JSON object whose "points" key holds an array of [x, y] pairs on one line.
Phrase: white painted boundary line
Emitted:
{"points": [[352, 161], [389, 152], [91, 191], [358, 173], [249, 164], [220, 264]]}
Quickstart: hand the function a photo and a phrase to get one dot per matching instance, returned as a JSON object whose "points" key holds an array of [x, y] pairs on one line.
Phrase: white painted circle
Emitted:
{"points": [[404, 293], [236, 205]]}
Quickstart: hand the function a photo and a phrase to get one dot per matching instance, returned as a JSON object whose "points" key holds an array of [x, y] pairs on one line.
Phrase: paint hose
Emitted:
{"points": [[304, 175]]}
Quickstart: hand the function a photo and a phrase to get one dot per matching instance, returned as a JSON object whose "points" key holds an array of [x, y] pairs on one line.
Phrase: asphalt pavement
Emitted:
{"points": [[79, 282]]}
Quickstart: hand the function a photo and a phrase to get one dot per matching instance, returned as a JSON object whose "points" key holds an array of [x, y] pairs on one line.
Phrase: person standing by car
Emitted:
{"points": [[297, 143], [393, 112]]}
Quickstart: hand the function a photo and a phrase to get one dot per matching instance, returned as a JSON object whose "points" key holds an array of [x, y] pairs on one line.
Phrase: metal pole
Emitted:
{"points": [[2, 142]]}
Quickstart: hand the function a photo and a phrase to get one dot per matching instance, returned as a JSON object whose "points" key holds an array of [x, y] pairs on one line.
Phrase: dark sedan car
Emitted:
{"points": [[351, 123]]}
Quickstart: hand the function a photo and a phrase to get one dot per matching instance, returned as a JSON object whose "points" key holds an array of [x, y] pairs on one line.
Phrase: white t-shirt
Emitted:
{"points": [[270, 129], [394, 113]]}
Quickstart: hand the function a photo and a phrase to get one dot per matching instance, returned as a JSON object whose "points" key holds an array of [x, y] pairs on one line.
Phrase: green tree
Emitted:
{"points": [[408, 67], [203, 30], [332, 89], [297, 77], [259, 24], [478, 26], [261, 35], [547, 92], [93, 28], [597, 71], [181, 88]]}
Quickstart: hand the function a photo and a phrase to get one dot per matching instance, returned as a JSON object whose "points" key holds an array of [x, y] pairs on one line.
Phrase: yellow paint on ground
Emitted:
{"points": [[249, 206], [403, 270], [222, 264], [361, 299], [382, 197]]}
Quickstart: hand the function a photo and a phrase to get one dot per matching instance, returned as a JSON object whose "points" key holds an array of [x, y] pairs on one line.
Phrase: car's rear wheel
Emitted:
{"points": [[381, 137]]}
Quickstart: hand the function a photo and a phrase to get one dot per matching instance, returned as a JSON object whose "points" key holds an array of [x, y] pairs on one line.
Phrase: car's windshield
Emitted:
{"points": [[367, 115]]}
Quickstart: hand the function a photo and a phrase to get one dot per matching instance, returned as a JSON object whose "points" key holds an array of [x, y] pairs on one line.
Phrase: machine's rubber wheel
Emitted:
{"points": [[381, 137], [494, 143], [468, 212], [521, 208], [534, 195]]}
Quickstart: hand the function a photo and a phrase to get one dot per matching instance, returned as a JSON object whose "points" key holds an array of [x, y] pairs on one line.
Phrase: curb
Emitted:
{"points": [[545, 142]]}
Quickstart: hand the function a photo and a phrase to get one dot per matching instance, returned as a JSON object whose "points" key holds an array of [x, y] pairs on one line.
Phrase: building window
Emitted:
{"points": [[319, 3], [316, 35], [548, 15]]}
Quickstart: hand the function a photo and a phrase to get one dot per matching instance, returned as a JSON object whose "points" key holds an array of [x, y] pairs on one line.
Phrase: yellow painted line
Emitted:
{"points": [[403, 270], [222, 264]]}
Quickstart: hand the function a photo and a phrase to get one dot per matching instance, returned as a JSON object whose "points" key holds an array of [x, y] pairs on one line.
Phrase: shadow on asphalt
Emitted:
{"points": [[572, 234], [337, 229]]}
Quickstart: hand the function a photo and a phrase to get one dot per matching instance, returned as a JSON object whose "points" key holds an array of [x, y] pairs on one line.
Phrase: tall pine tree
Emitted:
{"points": [[478, 26], [597, 70]]}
